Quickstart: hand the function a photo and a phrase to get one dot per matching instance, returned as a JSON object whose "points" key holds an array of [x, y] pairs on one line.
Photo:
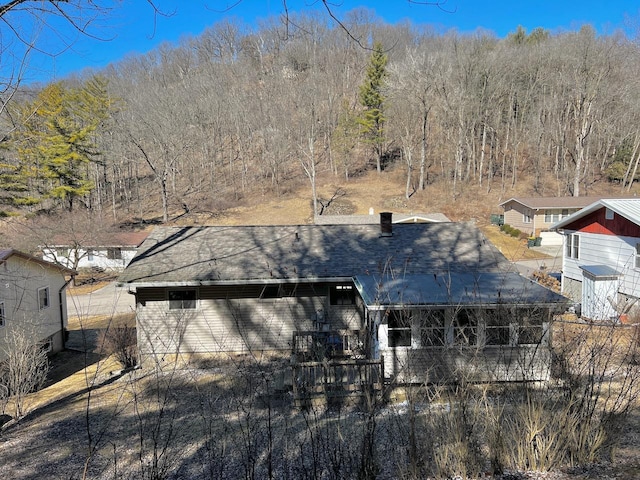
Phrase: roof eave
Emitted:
{"points": [[213, 283]]}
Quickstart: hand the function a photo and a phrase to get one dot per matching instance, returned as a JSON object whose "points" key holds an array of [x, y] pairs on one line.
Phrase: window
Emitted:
{"points": [[270, 291], [526, 216], [530, 331], [43, 298], [90, 255], [182, 299], [555, 215], [465, 328], [114, 253], [399, 328], [497, 327], [342, 295], [572, 246], [551, 216], [3, 319], [608, 214], [637, 255], [432, 329]]}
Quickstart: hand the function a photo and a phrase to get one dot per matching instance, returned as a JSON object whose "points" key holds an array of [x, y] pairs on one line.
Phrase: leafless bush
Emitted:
{"points": [[120, 340], [24, 369]]}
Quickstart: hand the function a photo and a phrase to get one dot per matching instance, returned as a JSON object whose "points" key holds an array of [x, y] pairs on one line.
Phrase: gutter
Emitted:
{"points": [[204, 283], [60, 292]]}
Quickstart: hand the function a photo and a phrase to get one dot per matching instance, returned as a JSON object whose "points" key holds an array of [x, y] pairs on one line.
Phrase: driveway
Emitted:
{"points": [[552, 263], [108, 300]]}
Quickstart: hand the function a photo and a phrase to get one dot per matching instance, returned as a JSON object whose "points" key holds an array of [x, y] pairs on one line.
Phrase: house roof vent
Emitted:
{"points": [[386, 225]]}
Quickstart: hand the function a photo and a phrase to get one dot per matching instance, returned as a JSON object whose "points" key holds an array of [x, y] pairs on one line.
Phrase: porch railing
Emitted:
{"points": [[336, 381], [314, 345]]}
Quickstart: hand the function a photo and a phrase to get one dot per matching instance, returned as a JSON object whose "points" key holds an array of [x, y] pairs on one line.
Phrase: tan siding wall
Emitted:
{"points": [[514, 217], [224, 323]]}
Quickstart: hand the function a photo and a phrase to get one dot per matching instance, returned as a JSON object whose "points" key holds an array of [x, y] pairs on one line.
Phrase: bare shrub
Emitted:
{"points": [[120, 340], [24, 369]]}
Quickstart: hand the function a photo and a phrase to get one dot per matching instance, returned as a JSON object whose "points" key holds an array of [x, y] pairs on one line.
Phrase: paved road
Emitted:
{"points": [[105, 301]]}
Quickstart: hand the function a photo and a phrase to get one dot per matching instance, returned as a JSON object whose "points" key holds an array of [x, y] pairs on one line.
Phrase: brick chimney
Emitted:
{"points": [[386, 225]]}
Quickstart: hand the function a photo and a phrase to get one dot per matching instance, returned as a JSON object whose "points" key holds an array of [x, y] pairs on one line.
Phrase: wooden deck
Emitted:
{"points": [[336, 381]]}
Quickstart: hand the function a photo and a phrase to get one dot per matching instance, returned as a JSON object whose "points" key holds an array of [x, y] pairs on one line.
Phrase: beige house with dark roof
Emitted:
{"points": [[533, 215], [425, 297], [32, 300]]}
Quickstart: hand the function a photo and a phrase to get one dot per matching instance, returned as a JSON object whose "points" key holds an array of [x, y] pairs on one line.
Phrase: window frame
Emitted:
{"points": [[465, 334], [527, 216], [399, 333], [173, 302], [433, 329], [114, 253], [572, 247], [608, 214], [637, 256], [44, 302], [341, 295]]}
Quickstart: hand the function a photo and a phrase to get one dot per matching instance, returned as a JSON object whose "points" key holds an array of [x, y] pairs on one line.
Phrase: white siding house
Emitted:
{"points": [[113, 252], [601, 258], [32, 300]]}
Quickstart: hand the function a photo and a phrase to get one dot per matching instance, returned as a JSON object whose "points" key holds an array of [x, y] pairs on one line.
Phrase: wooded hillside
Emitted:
{"points": [[239, 114]]}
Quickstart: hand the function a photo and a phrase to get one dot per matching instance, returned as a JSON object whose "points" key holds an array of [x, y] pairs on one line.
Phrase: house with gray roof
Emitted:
{"points": [[601, 258], [424, 299], [533, 215]]}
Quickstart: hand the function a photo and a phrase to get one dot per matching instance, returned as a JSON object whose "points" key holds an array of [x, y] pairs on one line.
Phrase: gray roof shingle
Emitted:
{"points": [[202, 255]]}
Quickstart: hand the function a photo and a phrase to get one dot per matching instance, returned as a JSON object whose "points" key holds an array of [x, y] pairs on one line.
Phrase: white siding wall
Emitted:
{"points": [[616, 252], [524, 363], [20, 281], [99, 258]]}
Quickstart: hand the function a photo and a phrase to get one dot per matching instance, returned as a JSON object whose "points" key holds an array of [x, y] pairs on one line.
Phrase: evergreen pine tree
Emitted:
{"points": [[55, 144], [372, 99]]}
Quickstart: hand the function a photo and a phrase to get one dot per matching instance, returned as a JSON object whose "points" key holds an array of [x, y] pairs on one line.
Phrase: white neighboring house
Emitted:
{"points": [[113, 252], [601, 258], [32, 300]]}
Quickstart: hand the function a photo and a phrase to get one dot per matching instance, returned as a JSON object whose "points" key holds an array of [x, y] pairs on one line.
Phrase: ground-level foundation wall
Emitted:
{"points": [[450, 365]]}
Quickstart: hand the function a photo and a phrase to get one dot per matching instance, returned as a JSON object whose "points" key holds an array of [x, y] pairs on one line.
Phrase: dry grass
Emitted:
{"points": [[381, 192], [101, 321], [514, 249]]}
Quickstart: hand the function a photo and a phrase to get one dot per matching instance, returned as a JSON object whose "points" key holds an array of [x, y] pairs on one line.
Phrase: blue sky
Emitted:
{"points": [[132, 29]]}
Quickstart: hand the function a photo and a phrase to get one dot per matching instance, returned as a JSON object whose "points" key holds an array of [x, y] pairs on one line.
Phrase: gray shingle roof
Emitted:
{"points": [[461, 289], [201, 255]]}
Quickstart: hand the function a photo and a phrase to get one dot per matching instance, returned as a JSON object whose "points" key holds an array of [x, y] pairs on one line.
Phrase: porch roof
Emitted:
{"points": [[454, 288]]}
